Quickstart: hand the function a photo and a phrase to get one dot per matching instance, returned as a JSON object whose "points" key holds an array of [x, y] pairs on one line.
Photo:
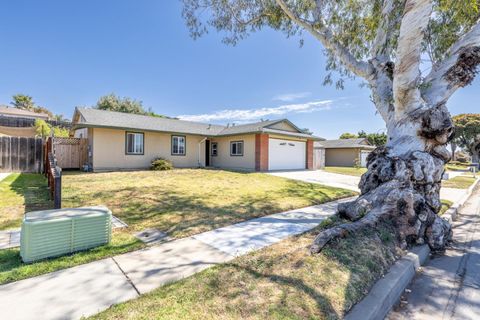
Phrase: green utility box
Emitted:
{"points": [[52, 233]]}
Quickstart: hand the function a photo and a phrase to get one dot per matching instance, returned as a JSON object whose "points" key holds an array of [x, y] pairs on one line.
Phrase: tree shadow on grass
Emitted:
{"points": [[33, 189]]}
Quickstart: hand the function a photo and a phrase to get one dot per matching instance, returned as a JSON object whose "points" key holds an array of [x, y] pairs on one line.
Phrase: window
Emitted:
{"points": [[236, 148], [134, 143], [214, 149], [178, 145]]}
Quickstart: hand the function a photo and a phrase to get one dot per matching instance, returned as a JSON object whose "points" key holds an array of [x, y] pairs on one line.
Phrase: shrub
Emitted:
{"points": [[160, 164]]}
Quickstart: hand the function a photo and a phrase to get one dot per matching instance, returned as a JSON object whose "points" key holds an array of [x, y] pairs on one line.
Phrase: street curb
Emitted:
{"points": [[451, 214], [387, 291]]}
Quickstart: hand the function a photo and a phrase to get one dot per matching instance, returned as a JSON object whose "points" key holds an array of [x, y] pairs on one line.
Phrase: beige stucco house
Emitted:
{"points": [[343, 152], [118, 141]]}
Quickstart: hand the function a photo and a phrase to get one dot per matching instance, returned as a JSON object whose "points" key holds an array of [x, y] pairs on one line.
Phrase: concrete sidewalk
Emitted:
{"points": [[88, 289], [3, 175], [448, 287]]}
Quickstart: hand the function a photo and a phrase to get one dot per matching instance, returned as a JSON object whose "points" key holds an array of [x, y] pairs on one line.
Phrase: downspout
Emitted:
{"points": [[200, 150]]}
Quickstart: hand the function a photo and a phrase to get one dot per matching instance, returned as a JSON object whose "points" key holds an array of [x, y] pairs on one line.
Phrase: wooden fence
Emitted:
{"points": [[71, 153], [21, 154]]}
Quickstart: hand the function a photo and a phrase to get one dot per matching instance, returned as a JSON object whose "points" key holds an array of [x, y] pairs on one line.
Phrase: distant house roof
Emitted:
{"points": [[87, 117], [345, 143], [19, 113]]}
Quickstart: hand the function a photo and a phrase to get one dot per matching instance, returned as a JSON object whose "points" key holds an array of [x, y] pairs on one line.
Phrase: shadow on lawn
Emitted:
{"points": [[34, 191]]}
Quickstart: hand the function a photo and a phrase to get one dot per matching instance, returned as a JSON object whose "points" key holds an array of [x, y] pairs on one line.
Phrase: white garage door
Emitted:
{"points": [[286, 154]]}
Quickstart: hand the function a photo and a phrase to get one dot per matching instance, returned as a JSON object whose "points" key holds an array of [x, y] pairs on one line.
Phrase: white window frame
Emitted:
{"points": [[237, 144], [214, 151], [138, 143], [179, 151]]}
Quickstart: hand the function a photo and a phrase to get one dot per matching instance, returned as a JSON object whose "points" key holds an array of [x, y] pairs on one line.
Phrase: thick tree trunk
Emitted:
{"points": [[403, 182]]}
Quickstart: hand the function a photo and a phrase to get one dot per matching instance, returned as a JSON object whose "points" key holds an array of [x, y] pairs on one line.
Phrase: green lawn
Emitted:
{"points": [[282, 281], [446, 204], [20, 193], [351, 171], [460, 182], [179, 202], [456, 167]]}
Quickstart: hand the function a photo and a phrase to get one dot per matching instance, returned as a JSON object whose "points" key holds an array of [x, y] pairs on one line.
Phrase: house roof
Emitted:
{"points": [[345, 143], [110, 119], [16, 112]]}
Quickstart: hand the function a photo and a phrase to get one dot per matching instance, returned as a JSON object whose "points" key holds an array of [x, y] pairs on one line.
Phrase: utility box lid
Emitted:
{"points": [[52, 233], [69, 213]]}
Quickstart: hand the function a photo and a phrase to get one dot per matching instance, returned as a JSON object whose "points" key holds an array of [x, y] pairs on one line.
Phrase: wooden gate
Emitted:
{"points": [[21, 154], [71, 153]]}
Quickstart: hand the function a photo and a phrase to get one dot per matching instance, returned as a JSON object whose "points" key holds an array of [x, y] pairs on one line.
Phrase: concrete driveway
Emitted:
{"points": [[351, 182], [322, 177]]}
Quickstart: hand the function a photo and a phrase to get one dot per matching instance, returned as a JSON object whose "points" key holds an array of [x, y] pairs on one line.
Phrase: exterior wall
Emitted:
{"points": [[341, 157], [81, 133], [226, 161], [283, 126], [17, 132], [261, 152], [108, 150], [318, 158], [309, 164]]}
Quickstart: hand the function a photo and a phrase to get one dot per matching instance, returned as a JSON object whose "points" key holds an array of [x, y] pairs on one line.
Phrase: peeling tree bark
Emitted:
{"points": [[403, 179]]}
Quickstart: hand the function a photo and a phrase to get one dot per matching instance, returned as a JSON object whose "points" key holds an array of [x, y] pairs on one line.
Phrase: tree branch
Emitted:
{"points": [[392, 15], [407, 72], [455, 71], [325, 36]]}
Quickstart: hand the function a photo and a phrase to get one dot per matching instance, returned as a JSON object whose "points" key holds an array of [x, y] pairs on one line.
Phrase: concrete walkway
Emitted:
{"points": [[351, 182], [448, 287], [88, 289], [3, 175]]}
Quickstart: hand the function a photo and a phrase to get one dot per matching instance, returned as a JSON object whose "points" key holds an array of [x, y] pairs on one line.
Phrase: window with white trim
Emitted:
{"points": [[134, 143], [214, 147], [236, 148], [178, 145]]}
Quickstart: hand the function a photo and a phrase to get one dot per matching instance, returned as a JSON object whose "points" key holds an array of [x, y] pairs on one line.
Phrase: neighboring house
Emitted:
{"points": [[345, 152], [12, 112], [127, 141], [17, 122]]}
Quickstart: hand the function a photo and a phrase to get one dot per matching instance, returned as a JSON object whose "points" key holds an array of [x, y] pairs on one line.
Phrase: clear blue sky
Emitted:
{"points": [[69, 53]]}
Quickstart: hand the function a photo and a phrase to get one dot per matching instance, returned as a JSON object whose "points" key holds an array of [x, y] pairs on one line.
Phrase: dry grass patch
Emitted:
{"points": [[190, 201], [282, 281], [179, 202], [459, 182]]}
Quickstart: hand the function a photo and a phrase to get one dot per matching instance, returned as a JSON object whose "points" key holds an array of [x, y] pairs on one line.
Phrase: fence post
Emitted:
{"points": [[58, 188]]}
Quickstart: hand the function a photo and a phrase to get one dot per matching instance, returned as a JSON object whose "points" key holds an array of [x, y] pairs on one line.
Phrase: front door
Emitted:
{"points": [[207, 153]]}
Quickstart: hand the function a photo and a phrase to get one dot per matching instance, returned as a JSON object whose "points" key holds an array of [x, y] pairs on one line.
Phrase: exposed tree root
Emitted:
{"points": [[405, 191]]}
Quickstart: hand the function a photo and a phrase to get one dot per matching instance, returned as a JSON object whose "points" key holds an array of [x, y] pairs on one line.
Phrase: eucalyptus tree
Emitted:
{"points": [[413, 55]]}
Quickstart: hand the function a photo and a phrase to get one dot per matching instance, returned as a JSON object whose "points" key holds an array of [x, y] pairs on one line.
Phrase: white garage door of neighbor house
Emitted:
{"points": [[286, 154]]}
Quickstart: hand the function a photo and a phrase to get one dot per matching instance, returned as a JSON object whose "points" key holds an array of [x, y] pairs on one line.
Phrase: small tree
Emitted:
{"points": [[42, 129], [467, 134], [112, 102]]}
